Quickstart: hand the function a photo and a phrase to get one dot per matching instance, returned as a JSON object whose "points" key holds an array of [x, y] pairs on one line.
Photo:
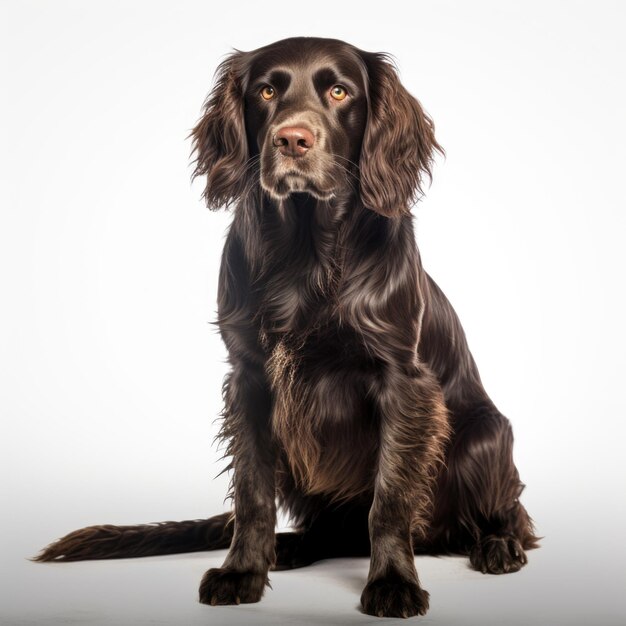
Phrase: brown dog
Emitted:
{"points": [[353, 398]]}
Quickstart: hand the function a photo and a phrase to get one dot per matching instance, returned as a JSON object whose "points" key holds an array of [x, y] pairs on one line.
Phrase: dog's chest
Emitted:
{"points": [[318, 369], [321, 417]]}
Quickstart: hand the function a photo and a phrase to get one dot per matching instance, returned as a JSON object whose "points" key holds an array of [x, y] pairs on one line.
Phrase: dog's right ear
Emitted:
{"points": [[219, 138]]}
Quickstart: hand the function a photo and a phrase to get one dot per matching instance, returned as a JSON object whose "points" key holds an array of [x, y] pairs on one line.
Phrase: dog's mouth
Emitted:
{"points": [[295, 181], [282, 185]]}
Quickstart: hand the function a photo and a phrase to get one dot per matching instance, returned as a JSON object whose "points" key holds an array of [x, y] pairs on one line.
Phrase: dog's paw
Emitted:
{"points": [[225, 586], [496, 554], [394, 597]]}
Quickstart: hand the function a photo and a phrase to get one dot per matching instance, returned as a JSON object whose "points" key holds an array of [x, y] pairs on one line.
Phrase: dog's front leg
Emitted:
{"points": [[413, 432], [243, 576]]}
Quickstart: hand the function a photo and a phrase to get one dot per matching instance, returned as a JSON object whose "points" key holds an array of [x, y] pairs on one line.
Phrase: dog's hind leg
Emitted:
{"points": [[335, 532], [477, 510]]}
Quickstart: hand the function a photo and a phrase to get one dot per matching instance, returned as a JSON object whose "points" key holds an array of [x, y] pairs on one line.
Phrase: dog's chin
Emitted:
{"points": [[284, 186]]}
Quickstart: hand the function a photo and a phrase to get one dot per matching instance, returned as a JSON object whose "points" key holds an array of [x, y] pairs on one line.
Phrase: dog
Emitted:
{"points": [[353, 402]]}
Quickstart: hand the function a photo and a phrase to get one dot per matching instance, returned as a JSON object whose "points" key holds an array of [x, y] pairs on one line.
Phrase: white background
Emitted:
{"points": [[110, 373]]}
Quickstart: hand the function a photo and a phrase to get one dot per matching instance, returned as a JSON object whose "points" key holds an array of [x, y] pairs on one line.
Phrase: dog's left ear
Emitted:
{"points": [[219, 138], [398, 144]]}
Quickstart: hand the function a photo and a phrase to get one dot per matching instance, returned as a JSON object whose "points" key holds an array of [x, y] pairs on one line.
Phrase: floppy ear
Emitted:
{"points": [[398, 144], [219, 138]]}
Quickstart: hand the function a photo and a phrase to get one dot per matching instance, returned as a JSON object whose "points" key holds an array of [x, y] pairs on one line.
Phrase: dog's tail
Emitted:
{"points": [[119, 542]]}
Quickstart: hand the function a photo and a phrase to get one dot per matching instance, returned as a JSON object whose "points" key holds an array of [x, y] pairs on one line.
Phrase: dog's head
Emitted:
{"points": [[317, 116]]}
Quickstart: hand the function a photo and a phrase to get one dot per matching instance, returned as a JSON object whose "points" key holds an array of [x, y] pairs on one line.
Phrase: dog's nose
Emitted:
{"points": [[294, 141]]}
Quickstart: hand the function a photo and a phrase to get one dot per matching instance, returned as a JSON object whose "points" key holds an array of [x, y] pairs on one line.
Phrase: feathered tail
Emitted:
{"points": [[119, 542]]}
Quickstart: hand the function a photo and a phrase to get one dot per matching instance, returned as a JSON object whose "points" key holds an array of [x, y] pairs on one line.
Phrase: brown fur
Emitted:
{"points": [[353, 401]]}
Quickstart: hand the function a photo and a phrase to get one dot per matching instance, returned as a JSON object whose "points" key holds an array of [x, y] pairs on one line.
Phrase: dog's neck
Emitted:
{"points": [[302, 254], [302, 201], [301, 222]]}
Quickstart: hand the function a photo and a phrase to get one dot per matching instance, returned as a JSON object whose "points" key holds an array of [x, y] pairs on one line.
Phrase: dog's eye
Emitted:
{"points": [[338, 92], [267, 93]]}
